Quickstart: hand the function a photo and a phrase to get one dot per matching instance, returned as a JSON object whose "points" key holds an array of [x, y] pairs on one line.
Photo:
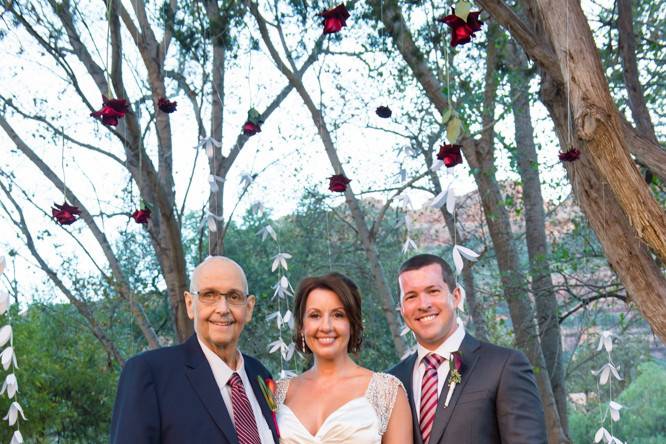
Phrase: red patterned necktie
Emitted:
{"points": [[244, 423], [429, 394]]}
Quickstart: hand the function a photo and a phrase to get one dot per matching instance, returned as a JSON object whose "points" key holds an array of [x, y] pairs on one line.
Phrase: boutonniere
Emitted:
{"points": [[268, 389], [455, 364]]}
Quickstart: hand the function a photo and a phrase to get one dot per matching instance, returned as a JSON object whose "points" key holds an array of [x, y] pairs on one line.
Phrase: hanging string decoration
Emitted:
{"points": [[613, 408], [283, 295], [8, 361], [334, 19], [64, 214], [463, 23]]}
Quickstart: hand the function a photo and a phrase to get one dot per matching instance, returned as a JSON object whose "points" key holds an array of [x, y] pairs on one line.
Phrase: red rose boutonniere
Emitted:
{"points": [[455, 364], [268, 388]]}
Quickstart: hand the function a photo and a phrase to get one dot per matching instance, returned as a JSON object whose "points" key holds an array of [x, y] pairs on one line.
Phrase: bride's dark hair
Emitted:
{"points": [[350, 297]]}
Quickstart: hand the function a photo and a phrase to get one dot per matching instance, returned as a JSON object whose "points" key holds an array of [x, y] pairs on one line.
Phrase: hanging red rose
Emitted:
{"points": [[462, 31], [384, 112], [450, 155], [335, 19], [166, 106], [253, 123], [570, 155], [65, 214], [338, 183], [112, 110], [141, 216]]}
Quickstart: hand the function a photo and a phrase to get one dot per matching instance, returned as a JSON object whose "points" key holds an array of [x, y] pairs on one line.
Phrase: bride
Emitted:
{"points": [[337, 401]]}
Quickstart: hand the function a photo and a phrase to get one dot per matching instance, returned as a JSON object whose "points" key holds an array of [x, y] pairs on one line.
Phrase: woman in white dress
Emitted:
{"points": [[337, 401]]}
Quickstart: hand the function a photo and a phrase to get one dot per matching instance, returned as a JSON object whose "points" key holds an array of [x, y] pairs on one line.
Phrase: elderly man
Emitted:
{"points": [[204, 390]]}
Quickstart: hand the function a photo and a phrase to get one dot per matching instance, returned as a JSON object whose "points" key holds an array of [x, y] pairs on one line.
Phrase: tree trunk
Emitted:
{"points": [[535, 229]]}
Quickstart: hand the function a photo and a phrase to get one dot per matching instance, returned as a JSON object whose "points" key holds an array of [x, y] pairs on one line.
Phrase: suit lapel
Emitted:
{"points": [[443, 414], [201, 378], [252, 373], [405, 372]]}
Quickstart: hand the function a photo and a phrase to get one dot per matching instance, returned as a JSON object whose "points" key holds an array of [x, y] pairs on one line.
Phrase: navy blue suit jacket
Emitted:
{"points": [[170, 396], [496, 402]]}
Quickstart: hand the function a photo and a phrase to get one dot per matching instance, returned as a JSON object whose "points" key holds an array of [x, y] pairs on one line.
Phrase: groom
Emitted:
{"points": [[204, 390], [494, 398]]}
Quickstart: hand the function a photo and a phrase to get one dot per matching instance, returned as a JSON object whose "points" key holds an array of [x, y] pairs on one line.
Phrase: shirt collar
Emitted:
{"points": [[221, 371], [451, 344]]}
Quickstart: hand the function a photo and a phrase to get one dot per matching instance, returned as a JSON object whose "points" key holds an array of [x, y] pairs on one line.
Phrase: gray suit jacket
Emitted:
{"points": [[497, 400]]}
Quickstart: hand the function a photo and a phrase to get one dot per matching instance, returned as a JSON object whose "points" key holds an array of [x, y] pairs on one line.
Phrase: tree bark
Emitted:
{"points": [[535, 228]]}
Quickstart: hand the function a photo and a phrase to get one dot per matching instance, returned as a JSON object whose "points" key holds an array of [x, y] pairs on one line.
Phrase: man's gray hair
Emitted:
{"points": [[226, 260]]}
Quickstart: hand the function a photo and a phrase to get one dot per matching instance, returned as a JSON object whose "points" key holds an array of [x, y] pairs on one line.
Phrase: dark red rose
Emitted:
{"points": [[112, 110], [570, 155], [338, 183], [65, 214], [462, 31], [141, 216], [457, 360], [450, 155], [384, 112], [335, 19], [251, 128], [166, 106]]}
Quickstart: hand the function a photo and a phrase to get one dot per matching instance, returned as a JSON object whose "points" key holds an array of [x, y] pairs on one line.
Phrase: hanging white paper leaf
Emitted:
{"points": [[275, 315], [4, 301], [409, 245], [257, 208], [463, 296], [212, 226], [267, 231], [280, 260], [284, 374], [606, 341], [11, 385], [615, 410], [3, 264], [288, 353], [246, 180], [605, 372], [284, 282], [436, 165], [457, 260], [439, 200], [405, 330], [288, 318], [13, 413], [467, 253], [408, 223], [450, 200], [17, 438], [7, 357], [5, 334], [408, 352], [602, 433], [406, 202], [276, 345]]}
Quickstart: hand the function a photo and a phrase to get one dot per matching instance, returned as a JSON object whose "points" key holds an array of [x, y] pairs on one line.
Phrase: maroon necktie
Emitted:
{"points": [[244, 423], [429, 394]]}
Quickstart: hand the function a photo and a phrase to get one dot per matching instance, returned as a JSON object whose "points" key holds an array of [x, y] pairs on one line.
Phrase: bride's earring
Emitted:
{"points": [[303, 342]]}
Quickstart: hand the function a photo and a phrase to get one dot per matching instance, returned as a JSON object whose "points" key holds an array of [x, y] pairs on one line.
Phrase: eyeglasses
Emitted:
{"points": [[212, 297]]}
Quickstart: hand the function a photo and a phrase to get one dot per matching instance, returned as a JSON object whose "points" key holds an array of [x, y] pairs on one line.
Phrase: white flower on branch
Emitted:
{"points": [[615, 408], [17, 438], [280, 260], [4, 301], [209, 143], [13, 413], [7, 357], [605, 372], [5, 335], [11, 385], [409, 245], [458, 253], [267, 231], [606, 341]]}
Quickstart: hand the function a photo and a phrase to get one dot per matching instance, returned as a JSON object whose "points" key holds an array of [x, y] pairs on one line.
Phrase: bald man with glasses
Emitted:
{"points": [[204, 390]]}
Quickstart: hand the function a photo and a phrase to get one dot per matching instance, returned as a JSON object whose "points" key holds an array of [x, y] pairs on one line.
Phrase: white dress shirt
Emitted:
{"points": [[222, 373], [451, 344]]}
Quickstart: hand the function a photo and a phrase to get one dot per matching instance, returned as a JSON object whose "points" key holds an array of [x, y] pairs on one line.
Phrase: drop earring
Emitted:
{"points": [[303, 342]]}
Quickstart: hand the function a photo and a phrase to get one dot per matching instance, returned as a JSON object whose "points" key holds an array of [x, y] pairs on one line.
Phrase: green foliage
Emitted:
{"points": [[643, 418], [66, 381]]}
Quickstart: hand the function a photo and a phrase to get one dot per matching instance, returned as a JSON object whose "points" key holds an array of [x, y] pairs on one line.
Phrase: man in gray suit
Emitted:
{"points": [[461, 390]]}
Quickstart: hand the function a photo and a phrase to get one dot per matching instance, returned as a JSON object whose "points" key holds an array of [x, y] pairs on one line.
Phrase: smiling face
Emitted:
{"points": [[326, 326], [427, 305], [219, 325]]}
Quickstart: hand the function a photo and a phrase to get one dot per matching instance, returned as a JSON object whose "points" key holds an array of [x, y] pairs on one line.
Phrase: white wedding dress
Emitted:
{"points": [[362, 420]]}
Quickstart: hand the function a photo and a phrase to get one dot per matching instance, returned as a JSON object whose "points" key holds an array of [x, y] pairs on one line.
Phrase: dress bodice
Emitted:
{"points": [[361, 420]]}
